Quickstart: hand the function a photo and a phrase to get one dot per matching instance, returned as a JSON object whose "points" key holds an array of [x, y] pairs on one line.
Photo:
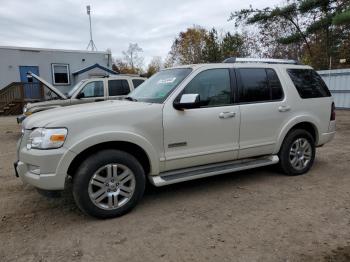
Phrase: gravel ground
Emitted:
{"points": [[256, 215]]}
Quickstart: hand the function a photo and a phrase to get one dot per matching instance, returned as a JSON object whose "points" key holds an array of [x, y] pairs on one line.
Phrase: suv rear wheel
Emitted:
{"points": [[297, 153], [108, 184]]}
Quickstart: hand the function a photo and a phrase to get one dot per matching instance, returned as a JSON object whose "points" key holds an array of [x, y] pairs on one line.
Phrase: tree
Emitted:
{"points": [[212, 48], [115, 68], [342, 18], [123, 67], [309, 26], [197, 45], [132, 57], [234, 45], [188, 46], [154, 66]]}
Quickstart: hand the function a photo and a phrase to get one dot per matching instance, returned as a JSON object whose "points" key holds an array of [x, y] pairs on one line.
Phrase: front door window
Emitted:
{"points": [[92, 89]]}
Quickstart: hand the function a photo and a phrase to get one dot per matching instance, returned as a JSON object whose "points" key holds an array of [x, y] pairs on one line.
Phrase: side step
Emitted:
{"points": [[172, 177]]}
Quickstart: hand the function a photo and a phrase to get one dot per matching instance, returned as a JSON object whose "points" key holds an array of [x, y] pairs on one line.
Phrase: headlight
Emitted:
{"points": [[47, 138]]}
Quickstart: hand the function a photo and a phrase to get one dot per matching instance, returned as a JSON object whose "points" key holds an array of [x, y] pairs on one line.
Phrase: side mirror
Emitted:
{"points": [[80, 95], [187, 101]]}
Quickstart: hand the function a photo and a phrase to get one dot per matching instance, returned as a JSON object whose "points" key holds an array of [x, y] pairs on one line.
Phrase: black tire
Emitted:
{"points": [[81, 182], [284, 154]]}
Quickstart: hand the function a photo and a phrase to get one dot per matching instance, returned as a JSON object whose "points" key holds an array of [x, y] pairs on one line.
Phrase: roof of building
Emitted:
{"points": [[34, 49], [92, 67]]}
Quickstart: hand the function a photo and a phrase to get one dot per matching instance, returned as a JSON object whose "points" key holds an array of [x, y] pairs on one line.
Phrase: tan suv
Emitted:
{"points": [[183, 123], [86, 91]]}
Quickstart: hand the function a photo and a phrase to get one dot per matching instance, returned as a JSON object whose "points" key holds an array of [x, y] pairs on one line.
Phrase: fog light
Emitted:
{"points": [[34, 169]]}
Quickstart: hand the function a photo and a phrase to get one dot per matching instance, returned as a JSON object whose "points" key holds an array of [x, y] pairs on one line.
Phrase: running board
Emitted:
{"points": [[172, 177]]}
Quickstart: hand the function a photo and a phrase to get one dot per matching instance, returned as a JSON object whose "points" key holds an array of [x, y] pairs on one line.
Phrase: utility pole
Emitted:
{"points": [[91, 44]]}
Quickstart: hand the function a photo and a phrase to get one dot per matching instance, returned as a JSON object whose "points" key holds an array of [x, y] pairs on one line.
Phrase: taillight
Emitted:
{"points": [[333, 112]]}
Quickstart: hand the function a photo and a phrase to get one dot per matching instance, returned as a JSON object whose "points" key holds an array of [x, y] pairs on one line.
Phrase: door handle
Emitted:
{"points": [[225, 115], [284, 108]]}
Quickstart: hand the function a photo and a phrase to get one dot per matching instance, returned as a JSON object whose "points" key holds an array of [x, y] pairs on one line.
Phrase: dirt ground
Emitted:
{"points": [[256, 215]]}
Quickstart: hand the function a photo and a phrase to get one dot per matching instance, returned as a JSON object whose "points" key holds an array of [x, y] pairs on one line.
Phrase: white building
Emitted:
{"points": [[338, 82], [62, 68]]}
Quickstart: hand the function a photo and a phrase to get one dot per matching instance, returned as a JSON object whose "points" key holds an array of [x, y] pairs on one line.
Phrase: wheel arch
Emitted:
{"points": [[138, 152], [305, 124], [132, 143]]}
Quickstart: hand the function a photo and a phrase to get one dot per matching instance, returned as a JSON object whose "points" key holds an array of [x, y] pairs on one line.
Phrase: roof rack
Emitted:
{"points": [[260, 60]]}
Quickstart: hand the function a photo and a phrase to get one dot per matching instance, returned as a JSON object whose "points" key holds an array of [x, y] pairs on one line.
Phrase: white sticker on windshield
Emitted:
{"points": [[166, 81]]}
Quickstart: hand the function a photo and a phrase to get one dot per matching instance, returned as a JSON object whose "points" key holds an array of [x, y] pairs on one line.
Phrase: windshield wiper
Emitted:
{"points": [[130, 98]]}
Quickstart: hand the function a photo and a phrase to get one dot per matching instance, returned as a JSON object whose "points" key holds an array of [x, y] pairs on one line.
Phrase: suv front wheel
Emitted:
{"points": [[108, 184], [297, 153]]}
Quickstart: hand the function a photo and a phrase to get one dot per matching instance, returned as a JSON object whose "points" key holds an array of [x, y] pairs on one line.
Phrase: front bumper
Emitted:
{"points": [[42, 181], [43, 168]]}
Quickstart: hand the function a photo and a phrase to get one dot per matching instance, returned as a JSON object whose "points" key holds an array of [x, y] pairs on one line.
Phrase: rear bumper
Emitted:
{"points": [[325, 138]]}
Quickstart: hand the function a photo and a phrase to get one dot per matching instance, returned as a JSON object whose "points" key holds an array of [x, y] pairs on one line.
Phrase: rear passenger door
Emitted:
{"points": [[118, 88], [263, 108]]}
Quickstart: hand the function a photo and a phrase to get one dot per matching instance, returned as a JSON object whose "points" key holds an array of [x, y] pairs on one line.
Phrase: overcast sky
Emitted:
{"points": [[153, 24]]}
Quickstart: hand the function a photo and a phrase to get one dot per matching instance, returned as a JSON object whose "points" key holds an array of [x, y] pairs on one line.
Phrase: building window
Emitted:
{"points": [[60, 74]]}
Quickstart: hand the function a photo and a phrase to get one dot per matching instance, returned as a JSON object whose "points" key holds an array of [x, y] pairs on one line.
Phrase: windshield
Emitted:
{"points": [[75, 88], [159, 86]]}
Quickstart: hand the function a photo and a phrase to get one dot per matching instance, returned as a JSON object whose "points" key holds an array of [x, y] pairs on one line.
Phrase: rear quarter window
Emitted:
{"points": [[308, 83], [137, 82]]}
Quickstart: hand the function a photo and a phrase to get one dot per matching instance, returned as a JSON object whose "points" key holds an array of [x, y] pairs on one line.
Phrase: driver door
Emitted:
{"points": [[207, 134]]}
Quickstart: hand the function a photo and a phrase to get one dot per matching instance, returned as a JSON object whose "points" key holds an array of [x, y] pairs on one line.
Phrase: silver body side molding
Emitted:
{"points": [[186, 174]]}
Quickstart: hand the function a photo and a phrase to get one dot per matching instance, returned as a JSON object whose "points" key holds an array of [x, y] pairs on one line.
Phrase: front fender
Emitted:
{"points": [[104, 137], [293, 122]]}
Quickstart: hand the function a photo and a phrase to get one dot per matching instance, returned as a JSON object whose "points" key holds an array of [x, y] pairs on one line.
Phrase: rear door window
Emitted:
{"points": [[119, 87], [258, 85], [274, 84], [308, 83]]}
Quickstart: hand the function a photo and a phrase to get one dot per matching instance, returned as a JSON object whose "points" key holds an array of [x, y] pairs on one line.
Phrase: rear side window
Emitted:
{"points": [[137, 82], [274, 84], [118, 87], [258, 85], [308, 83]]}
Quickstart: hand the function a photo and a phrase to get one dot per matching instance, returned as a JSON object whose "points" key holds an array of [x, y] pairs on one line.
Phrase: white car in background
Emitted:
{"points": [[86, 91]]}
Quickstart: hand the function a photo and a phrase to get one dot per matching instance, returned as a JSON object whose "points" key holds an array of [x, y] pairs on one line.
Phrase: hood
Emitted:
{"points": [[49, 86], [62, 116], [44, 104]]}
